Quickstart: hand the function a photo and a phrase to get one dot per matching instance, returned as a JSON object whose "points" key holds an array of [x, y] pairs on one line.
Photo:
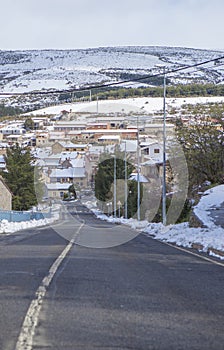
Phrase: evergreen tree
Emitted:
{"points": [[20, 177], [29, 124], [72, 191], [8, 111], [105, 178]]}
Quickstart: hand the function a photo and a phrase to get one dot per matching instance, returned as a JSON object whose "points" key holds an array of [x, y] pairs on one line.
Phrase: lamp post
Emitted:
{"points": [[125, 184], [108, 209], [115, 187], [164, 150], [119, 208], [138, 174]]}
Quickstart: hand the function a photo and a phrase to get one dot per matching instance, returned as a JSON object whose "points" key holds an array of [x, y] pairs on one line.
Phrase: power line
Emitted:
{"points": [[92, 87]]}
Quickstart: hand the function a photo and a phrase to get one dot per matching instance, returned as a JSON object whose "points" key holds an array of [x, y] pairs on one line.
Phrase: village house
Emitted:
{"points": [[97, 126], [57, 190], [42, 138], [13, 129], [67, 126], [3, 147], [29, 140], [12, 140], [156, 130], [61, 179], [55, 136], [59, 147], [2, 162], [96, 134]]}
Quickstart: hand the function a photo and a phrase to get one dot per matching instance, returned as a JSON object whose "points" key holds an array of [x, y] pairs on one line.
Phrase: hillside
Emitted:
{"points": [[46, 70], [23, 71]]}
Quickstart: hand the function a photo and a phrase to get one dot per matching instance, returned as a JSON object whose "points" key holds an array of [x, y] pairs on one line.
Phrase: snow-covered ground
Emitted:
{"points": [[9, 227], [24, 71], [209, 239]]}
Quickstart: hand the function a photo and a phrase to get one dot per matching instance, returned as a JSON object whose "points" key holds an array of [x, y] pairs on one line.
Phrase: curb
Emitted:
{"points": [[200, 247]]}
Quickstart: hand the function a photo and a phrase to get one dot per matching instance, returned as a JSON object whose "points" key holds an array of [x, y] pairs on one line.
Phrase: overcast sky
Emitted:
{"points": [[62, 24]]}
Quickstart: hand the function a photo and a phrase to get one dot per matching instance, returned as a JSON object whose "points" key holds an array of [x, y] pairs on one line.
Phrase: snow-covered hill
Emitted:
{"points": [[24, 71]]}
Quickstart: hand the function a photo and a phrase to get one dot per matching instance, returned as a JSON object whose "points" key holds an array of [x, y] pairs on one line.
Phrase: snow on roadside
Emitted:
{"points": [[209, 239], [185, 236], [10, 227], [212, 198]]}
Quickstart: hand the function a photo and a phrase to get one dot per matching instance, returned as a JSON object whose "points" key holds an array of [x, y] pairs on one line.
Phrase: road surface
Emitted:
{"points": [[140, 295]]}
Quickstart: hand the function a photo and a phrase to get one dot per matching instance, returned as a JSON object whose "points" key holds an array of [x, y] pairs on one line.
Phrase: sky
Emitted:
{"points": [[72, 24]]}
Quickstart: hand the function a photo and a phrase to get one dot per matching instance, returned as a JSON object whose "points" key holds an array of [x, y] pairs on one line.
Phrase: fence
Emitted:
{"points": [[18, 216]]}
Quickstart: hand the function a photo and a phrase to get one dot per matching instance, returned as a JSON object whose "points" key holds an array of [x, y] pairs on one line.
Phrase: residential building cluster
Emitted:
{"points": [[68, 146]]}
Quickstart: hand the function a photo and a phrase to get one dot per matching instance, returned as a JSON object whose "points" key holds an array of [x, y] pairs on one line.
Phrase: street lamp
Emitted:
{"points": [[138, 178], [115, 186], [125, 184], [119, 208], [109, 208], [164, 149]]}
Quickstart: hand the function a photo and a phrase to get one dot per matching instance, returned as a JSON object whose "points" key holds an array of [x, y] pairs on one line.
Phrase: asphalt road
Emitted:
{"points": [[140, 295]]}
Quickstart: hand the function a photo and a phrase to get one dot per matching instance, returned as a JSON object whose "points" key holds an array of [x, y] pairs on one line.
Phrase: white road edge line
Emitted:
{"points": [[195, 254], [25, 339]]}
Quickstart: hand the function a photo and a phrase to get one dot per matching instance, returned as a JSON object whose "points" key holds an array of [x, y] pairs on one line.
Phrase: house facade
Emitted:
{"points": [[5, 196]]}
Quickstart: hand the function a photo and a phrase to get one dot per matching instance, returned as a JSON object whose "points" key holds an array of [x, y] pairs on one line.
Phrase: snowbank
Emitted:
{"points": [[209, 239], [9, 227], [211, 199]]}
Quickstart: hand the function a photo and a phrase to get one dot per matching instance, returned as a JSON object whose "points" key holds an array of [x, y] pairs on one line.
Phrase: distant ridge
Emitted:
{"points": [[29, 70]]}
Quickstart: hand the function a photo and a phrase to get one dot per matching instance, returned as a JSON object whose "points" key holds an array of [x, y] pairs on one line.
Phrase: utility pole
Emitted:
{"points": [[138, 176], [126, 184], [164, 150], [90, 95], [115, 187]]}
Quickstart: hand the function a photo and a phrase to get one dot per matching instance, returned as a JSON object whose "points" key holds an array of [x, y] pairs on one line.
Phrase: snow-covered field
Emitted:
{"points": [[149, 105]]}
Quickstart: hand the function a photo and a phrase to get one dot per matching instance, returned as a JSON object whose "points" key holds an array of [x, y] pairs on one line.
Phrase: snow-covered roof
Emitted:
{"points": [[149, 143], [142, 178], [4, 144], [68, 173], [72, 145], [96, 149], [109, 137], [58, 186], [152, 161], [78, 162], [109, 131], [42, 152], [131, 145], [70, 155]]}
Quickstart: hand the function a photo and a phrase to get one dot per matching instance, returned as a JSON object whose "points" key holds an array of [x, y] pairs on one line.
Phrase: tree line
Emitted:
{"points": [[9, 111], [175, 91]]}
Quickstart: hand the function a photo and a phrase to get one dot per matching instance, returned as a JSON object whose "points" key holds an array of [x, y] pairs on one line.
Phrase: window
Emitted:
{"points": [[156, 150]]}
